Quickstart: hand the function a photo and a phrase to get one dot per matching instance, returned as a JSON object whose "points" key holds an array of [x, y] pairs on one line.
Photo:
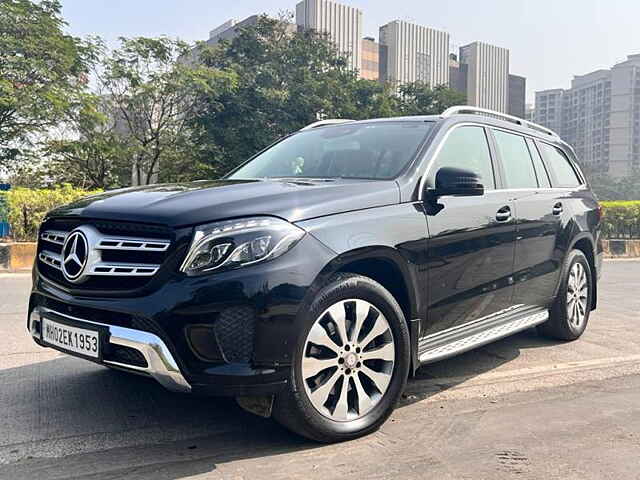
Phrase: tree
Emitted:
{"points": [[419, 99], [152, 97], [89, 153], [286, 80], [40, 67]]}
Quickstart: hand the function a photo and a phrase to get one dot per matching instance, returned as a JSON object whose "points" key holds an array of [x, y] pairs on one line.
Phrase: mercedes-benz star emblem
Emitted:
{"points": [[74, 256]]}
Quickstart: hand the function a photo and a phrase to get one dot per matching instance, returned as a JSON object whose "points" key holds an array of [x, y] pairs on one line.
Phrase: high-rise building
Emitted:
{"points": [[413, 53], [517, 94], [231, 29], [599, 116], [585, 117], [487, 75], [341, 22], [457, 74], [548, 109], [214, 34], [624, 136], [370, 59]]}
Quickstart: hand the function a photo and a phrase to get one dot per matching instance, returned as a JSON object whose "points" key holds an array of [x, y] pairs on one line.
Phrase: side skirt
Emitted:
{"points": [[452, 342]]}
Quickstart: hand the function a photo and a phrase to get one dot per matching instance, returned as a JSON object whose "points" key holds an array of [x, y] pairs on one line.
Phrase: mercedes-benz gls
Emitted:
{"points": [[315, 278]]}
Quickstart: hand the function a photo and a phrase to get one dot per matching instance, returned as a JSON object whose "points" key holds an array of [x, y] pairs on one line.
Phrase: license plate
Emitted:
{"points": [[72, 339]]}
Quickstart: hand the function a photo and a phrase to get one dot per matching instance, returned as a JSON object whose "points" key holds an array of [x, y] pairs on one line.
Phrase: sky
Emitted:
{"points": [[550, 41]]}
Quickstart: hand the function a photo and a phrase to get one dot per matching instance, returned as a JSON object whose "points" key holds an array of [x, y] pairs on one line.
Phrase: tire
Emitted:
{"points": [[380, 351], [569, 314]]}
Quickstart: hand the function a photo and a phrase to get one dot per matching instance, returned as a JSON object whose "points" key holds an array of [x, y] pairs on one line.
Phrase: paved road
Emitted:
{"points": [[523, 407]]}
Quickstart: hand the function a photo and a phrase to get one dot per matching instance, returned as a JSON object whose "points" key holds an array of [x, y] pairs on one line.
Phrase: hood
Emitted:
{"points": [[192, 203]]}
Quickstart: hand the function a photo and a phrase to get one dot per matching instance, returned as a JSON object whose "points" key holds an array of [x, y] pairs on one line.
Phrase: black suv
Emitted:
{"points": [[314, 279]]}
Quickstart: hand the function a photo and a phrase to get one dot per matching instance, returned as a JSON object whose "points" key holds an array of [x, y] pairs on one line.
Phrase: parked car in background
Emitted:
{"points": [[314, 279]]}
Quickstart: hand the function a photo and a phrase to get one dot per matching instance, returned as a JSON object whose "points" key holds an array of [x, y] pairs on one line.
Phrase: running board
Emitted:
{"points": [[440, 348]]}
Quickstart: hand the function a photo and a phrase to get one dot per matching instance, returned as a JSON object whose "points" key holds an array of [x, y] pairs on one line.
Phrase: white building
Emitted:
{"points": [[586, 110], [341, 22], [413, 53], [487, 75], [599, 116], [624, 129], [548, 109]]}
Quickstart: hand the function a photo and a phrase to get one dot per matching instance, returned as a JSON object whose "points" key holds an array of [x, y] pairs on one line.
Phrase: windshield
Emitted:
{"points": [[377, 150]]}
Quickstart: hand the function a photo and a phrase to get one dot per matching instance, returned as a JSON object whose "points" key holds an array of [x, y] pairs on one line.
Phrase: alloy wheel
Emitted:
{"points": [[348, 360], [577, 295]]}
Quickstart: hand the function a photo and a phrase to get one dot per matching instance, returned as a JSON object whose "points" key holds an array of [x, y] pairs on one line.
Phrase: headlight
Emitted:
{"points": [[236, 243]]}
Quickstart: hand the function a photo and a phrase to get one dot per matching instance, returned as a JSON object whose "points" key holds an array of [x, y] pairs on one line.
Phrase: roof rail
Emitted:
{"points": [[329, 121], [510, 118]]}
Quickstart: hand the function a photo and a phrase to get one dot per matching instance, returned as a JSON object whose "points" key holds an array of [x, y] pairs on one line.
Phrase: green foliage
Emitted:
{"points": [[97, 156], [40, 68], [286, 80], [157, 110], [98, 160], [152, 96], [4, 207], [621, 219], [27, 207], [419, 99]]}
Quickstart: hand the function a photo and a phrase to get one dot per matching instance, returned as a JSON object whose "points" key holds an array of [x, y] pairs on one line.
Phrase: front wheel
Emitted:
{"points": [[351, 362], [570, 311]]}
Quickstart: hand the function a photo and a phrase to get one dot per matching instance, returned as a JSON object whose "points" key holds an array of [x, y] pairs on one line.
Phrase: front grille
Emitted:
{"points": [[121, 255]]}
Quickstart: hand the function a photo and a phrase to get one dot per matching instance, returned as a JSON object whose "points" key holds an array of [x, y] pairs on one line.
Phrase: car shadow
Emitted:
{"points": [[450, 373], [137, 424]]}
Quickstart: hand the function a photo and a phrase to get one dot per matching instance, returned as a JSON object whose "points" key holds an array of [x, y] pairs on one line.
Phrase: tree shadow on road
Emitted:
{"points": [[94, 416]]}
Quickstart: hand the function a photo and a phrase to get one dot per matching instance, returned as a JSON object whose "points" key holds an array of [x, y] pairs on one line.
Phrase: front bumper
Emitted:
{"points": [[160, 363], [268, 297]]}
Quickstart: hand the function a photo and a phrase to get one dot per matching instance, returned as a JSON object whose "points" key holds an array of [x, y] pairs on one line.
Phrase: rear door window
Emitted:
{"points": [[467, 147], [565, 175], [516, 161]]}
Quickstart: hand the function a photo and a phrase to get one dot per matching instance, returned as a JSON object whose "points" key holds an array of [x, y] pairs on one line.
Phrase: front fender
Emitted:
{"points": [[395, 234]]}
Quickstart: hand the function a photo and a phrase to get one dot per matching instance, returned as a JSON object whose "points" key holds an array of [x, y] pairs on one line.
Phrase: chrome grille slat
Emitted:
{"points": [[119, 269], [52, 259], [135, 244], [54, 236]]}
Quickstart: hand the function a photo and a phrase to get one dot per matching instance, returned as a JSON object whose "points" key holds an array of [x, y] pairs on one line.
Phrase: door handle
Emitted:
{"points": [[557, 209], [503, 214]]}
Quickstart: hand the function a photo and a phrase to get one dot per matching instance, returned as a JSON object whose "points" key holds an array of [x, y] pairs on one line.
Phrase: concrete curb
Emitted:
{"points": [[622, 248], [17, 257]]}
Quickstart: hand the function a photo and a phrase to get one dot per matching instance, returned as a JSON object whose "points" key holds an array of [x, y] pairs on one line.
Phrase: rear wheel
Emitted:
{"points": [[570, 311], [351, 362]]}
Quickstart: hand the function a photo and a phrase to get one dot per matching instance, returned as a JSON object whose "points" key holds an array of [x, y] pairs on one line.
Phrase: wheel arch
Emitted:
{"points": [[383, 264], [390, 269]]}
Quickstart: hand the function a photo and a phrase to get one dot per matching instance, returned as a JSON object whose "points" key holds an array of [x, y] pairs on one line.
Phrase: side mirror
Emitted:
{"points": [[457, 181]]}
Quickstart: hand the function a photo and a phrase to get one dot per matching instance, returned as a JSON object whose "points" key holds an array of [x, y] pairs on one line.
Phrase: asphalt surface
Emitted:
{"points": [[523, 407]]}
